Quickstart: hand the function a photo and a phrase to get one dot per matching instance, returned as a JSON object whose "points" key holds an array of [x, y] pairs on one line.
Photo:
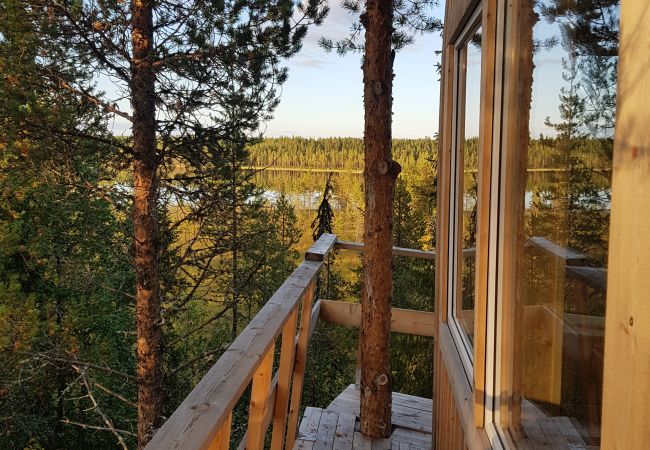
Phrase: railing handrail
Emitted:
{"points": [[196, 423], [397, 251]]}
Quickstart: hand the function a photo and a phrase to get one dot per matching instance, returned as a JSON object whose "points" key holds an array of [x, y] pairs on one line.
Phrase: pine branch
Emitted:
{"points": [[95, 427]]}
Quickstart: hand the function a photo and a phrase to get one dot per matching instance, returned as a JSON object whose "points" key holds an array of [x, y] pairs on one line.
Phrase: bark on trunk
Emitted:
{"points": [[145, 222], [380, 173]]}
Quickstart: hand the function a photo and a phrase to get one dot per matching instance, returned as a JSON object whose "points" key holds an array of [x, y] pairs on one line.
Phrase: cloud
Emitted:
{"points": [[336, 26], [310, 62]]}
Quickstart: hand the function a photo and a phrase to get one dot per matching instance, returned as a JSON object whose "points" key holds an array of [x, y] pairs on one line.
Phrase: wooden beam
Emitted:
{"points": [[222, 440], [627, 339], [196, 422], [269, 412], [259, 403], [397, 251], [321, 247], [299, 366], [287, 358], [408, 321]]}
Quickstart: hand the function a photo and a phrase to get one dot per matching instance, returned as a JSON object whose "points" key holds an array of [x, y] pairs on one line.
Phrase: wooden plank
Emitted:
{"points": [[344, 432], [458, 392], [569, 432], [196, 421], [569, 256], [380, 444], [222, 440], [413, 437], [287, 358], [361, 442], [397, 251], [309, 424], [402, 415], [326, 430], [408, 321], [319, 250], [299, 366], [423, 404], [303, 445], [553, 434], [535, 434], [268, 416], [259, 402], [457, 15]]}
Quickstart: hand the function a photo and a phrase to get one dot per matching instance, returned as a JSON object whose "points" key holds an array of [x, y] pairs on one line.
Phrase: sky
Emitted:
{"points": [[323, 95]]}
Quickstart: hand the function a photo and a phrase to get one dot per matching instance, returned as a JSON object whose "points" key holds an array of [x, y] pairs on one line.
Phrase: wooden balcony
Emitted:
{"points": [[204, 419]]}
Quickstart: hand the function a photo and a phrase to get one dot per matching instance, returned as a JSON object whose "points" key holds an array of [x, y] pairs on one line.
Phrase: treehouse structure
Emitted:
{"points": [[541, 329]]}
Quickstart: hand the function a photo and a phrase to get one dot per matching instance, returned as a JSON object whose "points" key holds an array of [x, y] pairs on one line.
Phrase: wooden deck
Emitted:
{"points": [[337, 426], [552, 433]]}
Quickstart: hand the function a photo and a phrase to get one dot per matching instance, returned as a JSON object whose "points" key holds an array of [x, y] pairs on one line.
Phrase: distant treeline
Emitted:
{"points": [[347, 153], [334, 153]]}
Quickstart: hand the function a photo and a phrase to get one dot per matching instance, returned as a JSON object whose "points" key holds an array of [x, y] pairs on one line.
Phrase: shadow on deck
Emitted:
{"points": [[337, 426]]}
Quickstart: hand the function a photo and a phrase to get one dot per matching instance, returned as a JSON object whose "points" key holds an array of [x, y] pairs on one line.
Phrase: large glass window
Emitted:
{"points": [[466, 180], [555, 358]]}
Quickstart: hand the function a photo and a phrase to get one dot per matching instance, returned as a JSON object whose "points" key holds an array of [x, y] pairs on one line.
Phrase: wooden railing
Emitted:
{"points": [[204, 418]]}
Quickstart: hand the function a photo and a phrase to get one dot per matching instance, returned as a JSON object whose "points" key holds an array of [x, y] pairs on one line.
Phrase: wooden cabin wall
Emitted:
{"points": [[454, 420], [448, 430], [626, 390]]}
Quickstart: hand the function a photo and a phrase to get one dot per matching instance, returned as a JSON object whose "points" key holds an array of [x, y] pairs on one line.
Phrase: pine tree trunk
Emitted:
{"points": [[380, 173], [145, 222]]}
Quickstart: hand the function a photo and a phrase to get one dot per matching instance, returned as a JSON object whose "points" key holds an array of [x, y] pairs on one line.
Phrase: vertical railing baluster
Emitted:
{"points": [[260, 401], [287, 358], [222, 440], [299, 367]]}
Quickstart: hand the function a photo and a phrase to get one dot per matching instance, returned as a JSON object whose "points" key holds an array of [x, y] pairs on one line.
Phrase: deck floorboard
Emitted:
{"points": [[337, 426]]}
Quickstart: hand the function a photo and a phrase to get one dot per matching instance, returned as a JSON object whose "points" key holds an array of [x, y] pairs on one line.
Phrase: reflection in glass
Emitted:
{"points": [[469, 57], [558, 366]]}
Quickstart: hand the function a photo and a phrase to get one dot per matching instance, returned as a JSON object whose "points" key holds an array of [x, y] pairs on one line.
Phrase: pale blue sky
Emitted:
{"points": [[323, 96]]}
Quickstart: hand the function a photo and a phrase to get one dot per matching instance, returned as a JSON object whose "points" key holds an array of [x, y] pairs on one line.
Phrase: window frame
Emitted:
{"points": [[464, 347]]}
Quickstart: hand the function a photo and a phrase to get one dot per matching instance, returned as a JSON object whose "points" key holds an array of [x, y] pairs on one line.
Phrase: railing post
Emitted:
{"points": [[260, 401], [287, 358], [222, 440], [299, 367]]}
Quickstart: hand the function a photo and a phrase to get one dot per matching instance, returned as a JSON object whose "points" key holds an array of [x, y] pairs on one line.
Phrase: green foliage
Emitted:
{"points": [[65, 295], [409, 19], [335, 152]]}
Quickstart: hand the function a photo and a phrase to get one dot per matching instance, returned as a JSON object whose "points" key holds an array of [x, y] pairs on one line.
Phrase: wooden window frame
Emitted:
{"points": [[464, 347], [502, 343], [628, 339], [470, 387]]}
